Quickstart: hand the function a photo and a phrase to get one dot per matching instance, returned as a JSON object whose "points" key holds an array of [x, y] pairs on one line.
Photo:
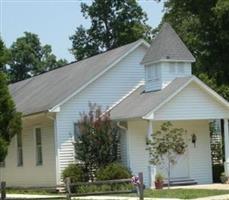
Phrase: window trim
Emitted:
{"points": [[35, 148], [17, 152]]}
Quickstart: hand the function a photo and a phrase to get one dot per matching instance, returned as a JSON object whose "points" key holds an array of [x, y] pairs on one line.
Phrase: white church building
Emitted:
{"points": [[143, 85]]}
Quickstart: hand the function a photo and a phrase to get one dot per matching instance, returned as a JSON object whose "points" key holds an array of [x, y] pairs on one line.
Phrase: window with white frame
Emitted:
{"points": [[38, 138], [19, 150]]}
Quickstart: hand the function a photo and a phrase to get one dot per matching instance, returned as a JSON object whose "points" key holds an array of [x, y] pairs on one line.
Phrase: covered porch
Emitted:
{"points": [[195, 164], [187, 104]]}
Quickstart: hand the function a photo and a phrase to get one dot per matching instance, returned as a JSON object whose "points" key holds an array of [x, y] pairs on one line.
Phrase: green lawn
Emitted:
{"points": [[165, 193], [182, 193], [30, 191]]}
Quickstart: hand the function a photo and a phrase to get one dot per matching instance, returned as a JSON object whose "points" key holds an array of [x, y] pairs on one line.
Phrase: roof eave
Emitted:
{"points": [[167, 60]]}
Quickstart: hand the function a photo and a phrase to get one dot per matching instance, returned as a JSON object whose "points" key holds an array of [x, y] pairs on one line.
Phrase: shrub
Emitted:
{"points": [[75, 172], [82, 189], [217, 169], [113, 171], [159, 177], [223, 178], [97, 143]]}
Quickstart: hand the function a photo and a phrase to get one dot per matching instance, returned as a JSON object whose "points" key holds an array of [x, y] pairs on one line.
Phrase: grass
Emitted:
{"points": [[182, 193], [165, 193], [31, 191]]}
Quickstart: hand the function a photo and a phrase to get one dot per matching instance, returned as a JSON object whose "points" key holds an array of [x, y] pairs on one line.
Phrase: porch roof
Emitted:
{"points": [[141, 104]]}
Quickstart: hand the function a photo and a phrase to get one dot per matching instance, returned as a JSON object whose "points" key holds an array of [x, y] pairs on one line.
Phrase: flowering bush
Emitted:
{"points": [[135, 180]]}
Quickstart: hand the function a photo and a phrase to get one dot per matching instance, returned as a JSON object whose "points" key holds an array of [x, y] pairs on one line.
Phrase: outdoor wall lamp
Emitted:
{"points": [[194, 138]]}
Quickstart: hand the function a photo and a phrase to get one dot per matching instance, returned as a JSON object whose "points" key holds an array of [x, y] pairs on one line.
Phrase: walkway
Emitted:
{"points": [[215, 186]]}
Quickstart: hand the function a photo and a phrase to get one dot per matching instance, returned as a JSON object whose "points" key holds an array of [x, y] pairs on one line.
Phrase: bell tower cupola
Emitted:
{"points": [[166, 59]]}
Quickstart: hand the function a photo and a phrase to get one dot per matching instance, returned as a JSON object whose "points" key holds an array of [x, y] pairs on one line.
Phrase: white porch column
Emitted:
{"points": [[152, 168], [226, 147]]}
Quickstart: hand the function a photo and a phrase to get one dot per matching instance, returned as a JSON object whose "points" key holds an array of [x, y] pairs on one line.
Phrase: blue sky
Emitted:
{"points": [[54, 20]]}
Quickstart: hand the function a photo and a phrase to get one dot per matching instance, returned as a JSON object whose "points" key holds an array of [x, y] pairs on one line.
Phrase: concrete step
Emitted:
{"points": [[180, 182]]}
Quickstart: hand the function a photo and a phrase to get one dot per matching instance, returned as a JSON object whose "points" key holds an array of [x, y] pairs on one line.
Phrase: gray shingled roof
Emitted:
{"points": [[167, 46], [139, 103], [45, 91]]}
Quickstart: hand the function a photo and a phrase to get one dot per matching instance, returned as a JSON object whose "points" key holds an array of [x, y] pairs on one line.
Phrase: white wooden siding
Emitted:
{"points": [[199, 157], [105, 91], [167, 76], [31, 175], [138, 156], [123, 147], [192, 103]]}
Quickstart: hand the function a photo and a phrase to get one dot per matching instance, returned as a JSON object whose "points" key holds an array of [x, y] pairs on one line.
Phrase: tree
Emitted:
{"points": [[4, 56], [204, 27], [97, 144], [165, 145], [29, 58], [10, 119], [113, 24]]}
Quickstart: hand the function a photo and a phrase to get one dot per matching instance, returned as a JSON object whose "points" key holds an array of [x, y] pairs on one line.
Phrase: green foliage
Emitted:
{"points": [[159, 177], [183, 193], [113, 171], [4, 56], [113, 24], [3, 149], [28, 58], [36, 191], [76, 172], [10, 120], [222, 89], [97, 144], [203, 26], [223, 178], [166, 145], [217, 170], [103, 188], [216, 144]]}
